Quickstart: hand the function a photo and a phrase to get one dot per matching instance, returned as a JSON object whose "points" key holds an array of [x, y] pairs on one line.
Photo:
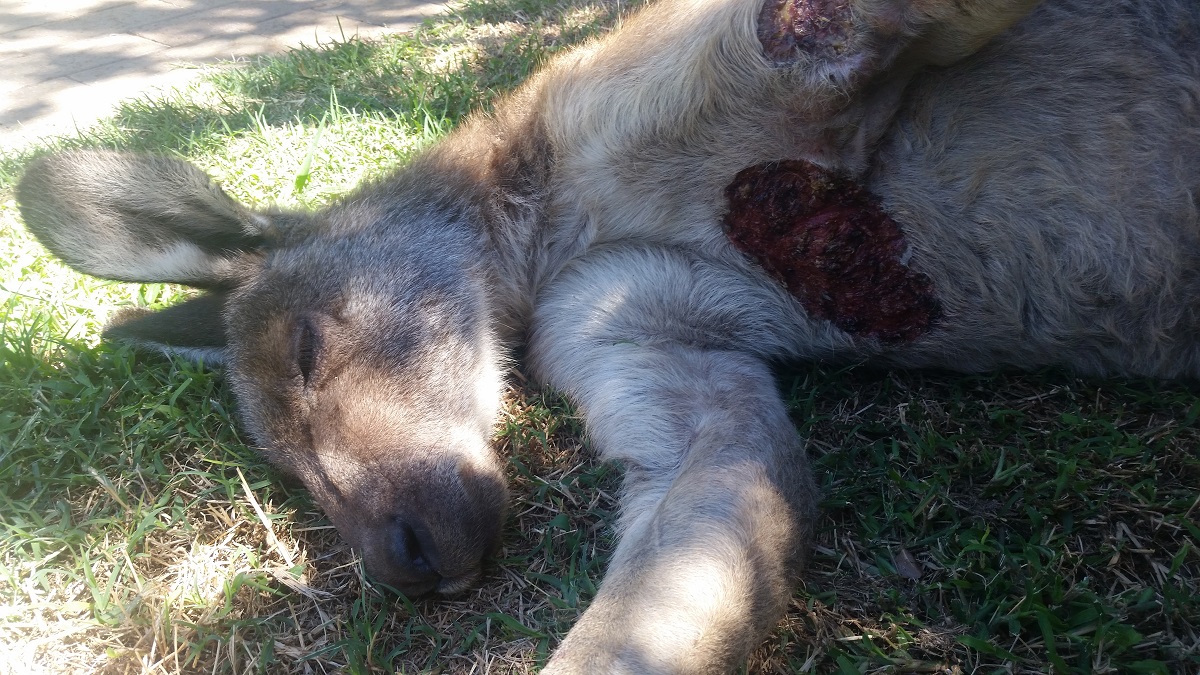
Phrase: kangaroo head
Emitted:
{"points": [[354, 339]]}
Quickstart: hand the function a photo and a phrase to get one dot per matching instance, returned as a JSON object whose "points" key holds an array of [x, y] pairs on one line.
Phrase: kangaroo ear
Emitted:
{"points": [[194, 329], [139, 218]]}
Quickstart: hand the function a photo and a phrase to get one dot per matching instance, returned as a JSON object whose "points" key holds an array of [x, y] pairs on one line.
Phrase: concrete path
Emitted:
{"points": [[65, 63]]}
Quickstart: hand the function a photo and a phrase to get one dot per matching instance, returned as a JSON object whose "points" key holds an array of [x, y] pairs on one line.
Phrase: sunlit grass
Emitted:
{"points": [[1009, 523]]}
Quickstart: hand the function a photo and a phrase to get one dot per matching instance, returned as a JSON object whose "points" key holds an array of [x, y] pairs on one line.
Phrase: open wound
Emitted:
{"points": [[820, 28], [829, 242]]}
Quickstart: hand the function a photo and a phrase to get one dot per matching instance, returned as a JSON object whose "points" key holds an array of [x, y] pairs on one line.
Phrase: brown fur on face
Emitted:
{"points": [[385, 416]]}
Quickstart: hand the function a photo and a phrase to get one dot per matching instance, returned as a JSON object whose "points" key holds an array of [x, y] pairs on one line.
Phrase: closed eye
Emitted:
{"points": [[306, 349]]}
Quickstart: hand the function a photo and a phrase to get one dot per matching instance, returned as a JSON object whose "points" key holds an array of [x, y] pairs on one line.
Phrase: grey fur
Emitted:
{"points": [[1047, 183]]}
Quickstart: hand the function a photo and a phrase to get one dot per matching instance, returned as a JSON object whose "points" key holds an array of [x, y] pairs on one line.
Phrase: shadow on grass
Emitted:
{"points": [[967, 514]]}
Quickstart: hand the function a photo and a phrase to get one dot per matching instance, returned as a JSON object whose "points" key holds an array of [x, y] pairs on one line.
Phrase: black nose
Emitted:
{"points": [[414, 556]]}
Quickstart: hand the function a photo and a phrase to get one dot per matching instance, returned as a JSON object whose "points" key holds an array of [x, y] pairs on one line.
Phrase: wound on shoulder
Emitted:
{"points": [[828, 241]]}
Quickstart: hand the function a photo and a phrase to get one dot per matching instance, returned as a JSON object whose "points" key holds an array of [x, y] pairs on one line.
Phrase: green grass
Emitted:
{"points": [[1017, 521], [1007, 523]]}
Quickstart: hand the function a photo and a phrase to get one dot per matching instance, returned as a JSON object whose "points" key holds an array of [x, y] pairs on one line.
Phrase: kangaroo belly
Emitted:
{"points": [[1056, 215]]}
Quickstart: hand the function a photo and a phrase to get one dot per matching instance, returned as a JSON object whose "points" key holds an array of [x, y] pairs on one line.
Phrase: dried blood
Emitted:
{"points": [[817, 27], [830, 243]]}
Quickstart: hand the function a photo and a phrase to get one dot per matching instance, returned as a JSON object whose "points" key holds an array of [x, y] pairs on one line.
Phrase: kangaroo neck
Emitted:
{"points": [[496, 170]]}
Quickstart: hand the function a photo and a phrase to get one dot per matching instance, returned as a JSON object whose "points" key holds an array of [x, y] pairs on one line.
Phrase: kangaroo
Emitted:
{"points": [[657, 218]]}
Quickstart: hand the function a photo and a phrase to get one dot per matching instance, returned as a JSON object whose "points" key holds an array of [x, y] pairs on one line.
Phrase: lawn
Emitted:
{"points": [[1006, 523]]}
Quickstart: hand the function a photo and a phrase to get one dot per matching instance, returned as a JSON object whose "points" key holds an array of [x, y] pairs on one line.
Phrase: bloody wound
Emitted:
{"points": [[830, 243]]}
